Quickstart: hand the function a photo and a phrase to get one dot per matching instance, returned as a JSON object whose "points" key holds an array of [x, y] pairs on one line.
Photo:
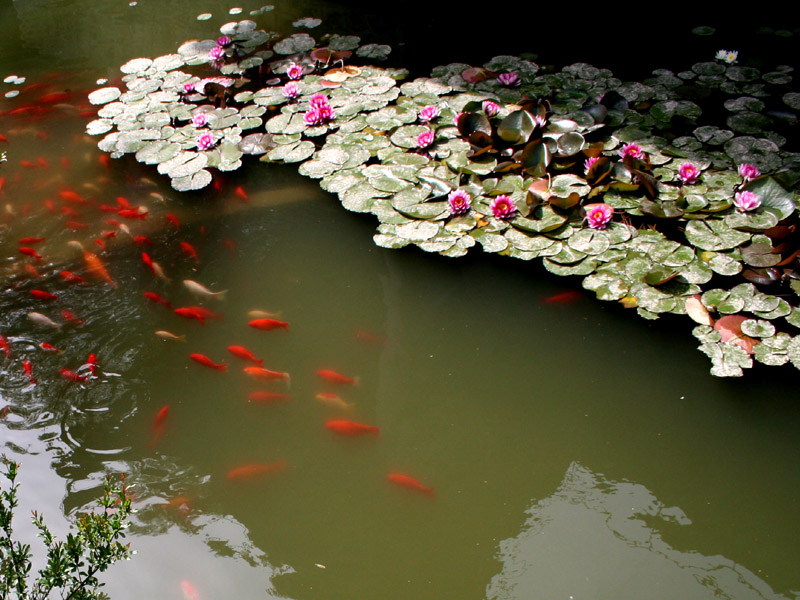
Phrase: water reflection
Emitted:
{"points": [[599, 538]]}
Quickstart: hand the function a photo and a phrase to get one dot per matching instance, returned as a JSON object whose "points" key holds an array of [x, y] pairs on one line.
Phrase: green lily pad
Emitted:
{"points": [[714, 235], [541, 220], [773, 351]]}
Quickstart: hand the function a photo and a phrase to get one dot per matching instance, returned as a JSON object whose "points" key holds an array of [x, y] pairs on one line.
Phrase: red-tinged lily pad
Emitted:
{"points": [[476, 74], [730, 328]]}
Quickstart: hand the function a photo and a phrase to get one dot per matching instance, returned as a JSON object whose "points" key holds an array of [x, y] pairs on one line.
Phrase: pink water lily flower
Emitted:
{"points": [[319, 101], [598, 215], [199, 119], [216, 53], [429, 113], [223, 41], [294, 71], [503, 207], [459, 201], [748, 171], [205, 141], [508, 79], [425, 139], [688, 173], [746, 201], [589, 163], [291, 90], [490, 109], [632, 150]]}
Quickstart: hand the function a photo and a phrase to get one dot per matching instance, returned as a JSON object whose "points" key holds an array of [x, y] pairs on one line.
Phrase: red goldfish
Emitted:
{"points": [[70, 277], [72, 197], [4, 346], [76, 225], [189, 251], [352, 429], [207, 362], [245, 354], [28, 368], [564, 297], [130, 213], [42, 295], [30, 252], [101, 243], [140, 239], [250, 471], [92, 362], [31, 270], [161, 417], [267, 397], [30, 240], [73, 376], [70, 317], [268, 324], [153, 297], [48, 347], [190, 313], [239, 191], [409, 482], [122, 202], [189, 591], [173, 220], [334, 377], [265, 374]]}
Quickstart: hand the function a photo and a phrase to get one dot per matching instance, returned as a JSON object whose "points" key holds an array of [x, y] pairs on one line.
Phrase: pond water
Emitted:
{"points": [[576, 451]]}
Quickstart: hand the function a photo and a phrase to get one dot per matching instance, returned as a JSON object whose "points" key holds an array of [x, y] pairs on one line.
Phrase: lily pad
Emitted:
{"points": [[714, 235]]}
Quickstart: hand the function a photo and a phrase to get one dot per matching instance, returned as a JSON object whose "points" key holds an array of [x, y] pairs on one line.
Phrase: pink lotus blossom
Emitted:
{"points": [[205, 141], [589, 163], [318, 101], [291, 90], [688, 173], [429, 113], [598, 215], [503, 207], [490, 109], [216, 53], [748, 172], [326, 113], [632, 150], [459, 201], [745, 200], [199, 119], [223, 41], [508, 79], [425, 138], [294, 71]]}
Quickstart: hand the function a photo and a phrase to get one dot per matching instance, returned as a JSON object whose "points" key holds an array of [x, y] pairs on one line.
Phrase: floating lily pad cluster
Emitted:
{"points": [[513, 159]]}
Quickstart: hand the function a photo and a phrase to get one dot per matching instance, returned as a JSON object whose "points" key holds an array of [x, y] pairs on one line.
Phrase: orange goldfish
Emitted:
{"points": [[255, 470], [207, 362], [168, 335], [352, 429], [161, 417], [409, 482], [268, 397], [245, 354], [564, 297], [70, 277], [268, 324], [334, 377], [265, 374]]}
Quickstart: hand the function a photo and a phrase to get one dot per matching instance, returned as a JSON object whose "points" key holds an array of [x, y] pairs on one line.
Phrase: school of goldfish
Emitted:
{"points": [[137, 224]]}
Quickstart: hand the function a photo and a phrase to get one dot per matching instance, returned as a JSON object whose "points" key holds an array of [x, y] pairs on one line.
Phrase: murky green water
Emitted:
{"points": [[576, 451]]}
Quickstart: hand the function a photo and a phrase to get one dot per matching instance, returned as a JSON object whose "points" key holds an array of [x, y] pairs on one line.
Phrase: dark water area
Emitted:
{"points": [[576, 450]]}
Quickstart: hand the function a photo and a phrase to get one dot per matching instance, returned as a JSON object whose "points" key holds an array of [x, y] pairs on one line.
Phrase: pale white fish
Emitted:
{"points": [[125, 229], [166, 335], [43, 320], [262, 314], [201, 291], [159, 272]]}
